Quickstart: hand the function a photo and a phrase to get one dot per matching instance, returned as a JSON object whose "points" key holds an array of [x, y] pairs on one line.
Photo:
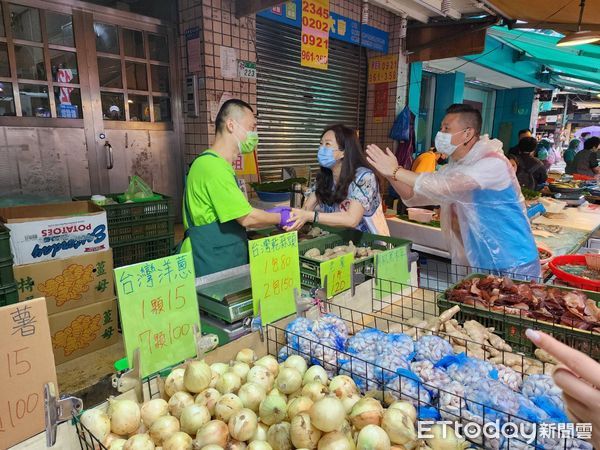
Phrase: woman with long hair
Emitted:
{"points": [[346, 192]]}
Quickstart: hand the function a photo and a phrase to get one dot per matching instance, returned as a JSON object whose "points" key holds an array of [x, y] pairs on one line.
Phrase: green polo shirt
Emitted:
{"points": [[213, 194]]}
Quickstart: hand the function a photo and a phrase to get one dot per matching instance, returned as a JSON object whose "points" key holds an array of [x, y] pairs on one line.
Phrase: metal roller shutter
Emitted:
{"points": [[295, 103]]}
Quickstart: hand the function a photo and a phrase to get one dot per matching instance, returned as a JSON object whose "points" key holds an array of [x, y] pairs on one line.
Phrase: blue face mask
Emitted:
{"points": [[325, 157]]}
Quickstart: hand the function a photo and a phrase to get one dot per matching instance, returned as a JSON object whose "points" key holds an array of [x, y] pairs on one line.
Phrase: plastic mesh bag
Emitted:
{"points": [[432, 348], [398, 343], [467, 370], [366, 342], [407, 386]]}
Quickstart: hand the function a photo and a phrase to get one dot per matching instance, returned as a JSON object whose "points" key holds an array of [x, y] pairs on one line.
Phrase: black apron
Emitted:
{"points": [[216, 246]]}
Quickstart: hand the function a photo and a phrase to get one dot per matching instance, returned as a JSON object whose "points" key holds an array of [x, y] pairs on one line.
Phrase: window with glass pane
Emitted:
{"points": [[2, 31], [139, 110], [7, 101], [133, 43], [30, 62], [109, 71], [107, 38], [64, 66], [159, 50], [68, 103], [137, 77], [59, 28], [160, 78], [34, 100], [25, 23], [112, 106], [162, 109], [4, 67]]}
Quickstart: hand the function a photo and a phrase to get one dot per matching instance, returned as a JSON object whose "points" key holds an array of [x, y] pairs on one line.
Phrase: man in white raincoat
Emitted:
{"points": [[483, 214]]}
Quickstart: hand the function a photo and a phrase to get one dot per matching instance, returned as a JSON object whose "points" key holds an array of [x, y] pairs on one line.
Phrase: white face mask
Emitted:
{"points": [[443, 142]]}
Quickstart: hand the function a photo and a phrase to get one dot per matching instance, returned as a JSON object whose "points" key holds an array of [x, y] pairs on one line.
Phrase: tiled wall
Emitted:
{"points": [[219, 27]]}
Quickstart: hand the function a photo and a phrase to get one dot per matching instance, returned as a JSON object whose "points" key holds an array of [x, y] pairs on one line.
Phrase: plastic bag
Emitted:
{"points": [[366, 342], [300, 337], [138, 189], [492, 400], [331, 319], [363, 371], [401, 128], [542, 391], [407, 386], [399, 343], [330, 333], [467, 370], [432, 348], [509, 377], [433, 378]]}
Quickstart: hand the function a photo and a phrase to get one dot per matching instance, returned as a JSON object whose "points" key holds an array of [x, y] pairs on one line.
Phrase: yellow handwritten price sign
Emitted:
{"points": [[315, 34], [339, 274], [391, 269], [159, 309], [383, 69], [27, 365], [275, 273]]}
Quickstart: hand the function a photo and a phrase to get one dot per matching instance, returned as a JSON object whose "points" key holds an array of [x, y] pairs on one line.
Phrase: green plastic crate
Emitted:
{"points": [[143, 250], [125, 213], [4, 242], [310, 269], [126, 233], [7, 276], [512, 328], [9, 295]]}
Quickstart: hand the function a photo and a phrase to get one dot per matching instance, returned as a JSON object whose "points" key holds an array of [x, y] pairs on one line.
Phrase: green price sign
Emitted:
{"points": [[158, 305], [275, 273], [391, 269], [338, 272]]}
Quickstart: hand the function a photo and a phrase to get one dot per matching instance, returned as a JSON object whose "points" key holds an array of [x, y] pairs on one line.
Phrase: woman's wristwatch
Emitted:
{"points": [[395, 172]]}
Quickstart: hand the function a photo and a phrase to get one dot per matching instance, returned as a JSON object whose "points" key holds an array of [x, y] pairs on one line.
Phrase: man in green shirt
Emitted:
{"points": [[215, 211]]}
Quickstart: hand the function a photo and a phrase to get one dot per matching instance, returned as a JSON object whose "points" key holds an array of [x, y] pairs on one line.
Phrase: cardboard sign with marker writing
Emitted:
{"points": [[339, 274], [275, 272], [27, 365], [159, 308]]}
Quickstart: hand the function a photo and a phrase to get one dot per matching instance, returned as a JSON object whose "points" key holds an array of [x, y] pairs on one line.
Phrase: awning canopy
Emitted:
{"points": [[561, 15]]}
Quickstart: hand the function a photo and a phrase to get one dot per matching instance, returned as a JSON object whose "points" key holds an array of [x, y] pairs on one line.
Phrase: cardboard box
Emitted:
{"points": [[68, 283], [83, 330], [55, 231]]}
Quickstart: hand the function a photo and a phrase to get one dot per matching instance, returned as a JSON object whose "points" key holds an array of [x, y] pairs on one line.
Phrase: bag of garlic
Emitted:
{"points": [[432, 348], [467, 370]]}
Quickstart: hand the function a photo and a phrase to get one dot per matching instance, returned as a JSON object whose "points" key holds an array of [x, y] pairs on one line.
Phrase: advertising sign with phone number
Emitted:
{"points": [[315, 34]]}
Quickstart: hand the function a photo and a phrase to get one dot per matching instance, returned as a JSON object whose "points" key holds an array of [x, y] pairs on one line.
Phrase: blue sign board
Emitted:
{"points": [[342, 28]]}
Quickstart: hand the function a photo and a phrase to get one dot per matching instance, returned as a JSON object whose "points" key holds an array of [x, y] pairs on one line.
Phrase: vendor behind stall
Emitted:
{"points": [[586, 161], [346, 192], [215, 211], [482, 210]]}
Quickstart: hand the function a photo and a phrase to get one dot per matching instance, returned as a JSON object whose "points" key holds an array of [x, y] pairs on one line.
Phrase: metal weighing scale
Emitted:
{"points": [[225, 300]]}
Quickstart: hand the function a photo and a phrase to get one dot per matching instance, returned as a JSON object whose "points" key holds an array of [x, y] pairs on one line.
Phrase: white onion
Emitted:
{"points": [[125, 416], [296, 362], [174, 382], [246, 355], [117, 444], [450, 442], [178, 441], [139, 442], [367, 411], [327, 414], [302, 433], [242, 424], [152, 410], [270, 363], [241, 369], [278, 436], [229, 382], [406, 407], [197, 376], [208, 398], [294, 395], [261, 433], [343, 386], [178, 402], [272, 409], [251, 394], [212, 447], [142, 429], [236, 445], [315, 373], [336, 440], [193, 417], [259, 445], [111, 438], [261, 376], [97, 422], [163, 428], [314, 390], [289, 380], [349, 402], [399, 427], [219, 368], [373, 437], [227, 405], [298, 405], [214, 432]]}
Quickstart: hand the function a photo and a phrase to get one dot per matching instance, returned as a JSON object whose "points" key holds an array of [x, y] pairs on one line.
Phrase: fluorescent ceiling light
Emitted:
{"points": [[579, 37]]}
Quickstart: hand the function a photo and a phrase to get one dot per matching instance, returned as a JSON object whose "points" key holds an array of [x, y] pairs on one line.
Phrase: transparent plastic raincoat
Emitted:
{"points": [[483, 213]]}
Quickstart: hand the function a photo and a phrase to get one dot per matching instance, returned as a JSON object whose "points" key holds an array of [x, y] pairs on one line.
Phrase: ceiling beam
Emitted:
{"points": [[403, 9], [435, 6], [247, 7]]}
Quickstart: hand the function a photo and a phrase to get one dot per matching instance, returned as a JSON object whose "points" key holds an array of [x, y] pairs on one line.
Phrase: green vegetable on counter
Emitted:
{"points": [[530, 194]]}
